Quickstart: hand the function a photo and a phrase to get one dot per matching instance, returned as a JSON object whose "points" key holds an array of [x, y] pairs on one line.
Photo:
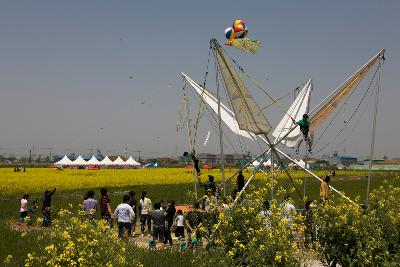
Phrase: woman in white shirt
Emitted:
{"points": [[145, 208]]}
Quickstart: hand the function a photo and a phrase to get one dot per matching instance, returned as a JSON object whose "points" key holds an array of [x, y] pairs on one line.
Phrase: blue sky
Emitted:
{"points": [[66, 68]]}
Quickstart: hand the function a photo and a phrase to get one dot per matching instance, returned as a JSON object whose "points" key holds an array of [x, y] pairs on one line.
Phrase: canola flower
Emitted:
{"points": [[8, 259], [75, 240], [248, 239], [360, 236], [37, 180]]}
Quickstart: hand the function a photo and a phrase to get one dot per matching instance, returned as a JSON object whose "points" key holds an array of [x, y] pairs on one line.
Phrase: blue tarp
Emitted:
{"points": [[152, 164]]}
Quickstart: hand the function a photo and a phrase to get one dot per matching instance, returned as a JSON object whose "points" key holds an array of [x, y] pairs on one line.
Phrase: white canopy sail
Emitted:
{"points": [[299, 107], [227, 116], [93, 161], [65, 161], [106, 161]]}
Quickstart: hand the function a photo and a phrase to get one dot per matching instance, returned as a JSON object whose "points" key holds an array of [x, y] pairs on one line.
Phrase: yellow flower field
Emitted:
{"points": [[36, 180]]}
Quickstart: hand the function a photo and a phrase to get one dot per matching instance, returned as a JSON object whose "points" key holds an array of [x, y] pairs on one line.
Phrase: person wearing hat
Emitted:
{"points": [[304, 128]]}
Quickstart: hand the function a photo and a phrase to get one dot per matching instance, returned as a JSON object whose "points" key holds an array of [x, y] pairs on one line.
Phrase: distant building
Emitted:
{"points": [[378, 161], [207, 158], [317, 163], [341, 160]]}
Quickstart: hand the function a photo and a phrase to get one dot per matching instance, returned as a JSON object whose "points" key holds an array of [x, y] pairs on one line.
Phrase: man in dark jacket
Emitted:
{"points": [[240, 181], [133, 203], [46, 208]]}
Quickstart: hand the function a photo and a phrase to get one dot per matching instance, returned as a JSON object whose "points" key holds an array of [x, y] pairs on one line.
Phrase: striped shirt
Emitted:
{"points": [[104, 200]]}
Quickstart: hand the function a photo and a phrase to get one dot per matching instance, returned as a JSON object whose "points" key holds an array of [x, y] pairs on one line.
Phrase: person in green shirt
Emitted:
{"points": [[210, 184], [304, 128]]}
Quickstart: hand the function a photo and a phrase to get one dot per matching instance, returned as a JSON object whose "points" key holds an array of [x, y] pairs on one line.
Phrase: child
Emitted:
{"points": [[32, 213], [24, 207], [182, 244], [90, 205], [180, 227], [125, 215]]}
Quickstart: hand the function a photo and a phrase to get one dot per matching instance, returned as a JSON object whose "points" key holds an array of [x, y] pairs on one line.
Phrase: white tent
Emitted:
{"points": [[132, 162], [64, 161], [93, 161], [119, 161], [106, 161], [80, 161]]}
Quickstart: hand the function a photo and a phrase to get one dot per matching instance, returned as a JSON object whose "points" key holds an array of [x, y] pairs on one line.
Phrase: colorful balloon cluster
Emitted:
{"points": [[237, 31], [237, 37]]}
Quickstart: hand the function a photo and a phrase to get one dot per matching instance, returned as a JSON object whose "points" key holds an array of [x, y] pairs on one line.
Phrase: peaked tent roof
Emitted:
{"points": [[80, 161], [106, 161], [119, 161], [132, 162], [64, 161], [93, 161]]}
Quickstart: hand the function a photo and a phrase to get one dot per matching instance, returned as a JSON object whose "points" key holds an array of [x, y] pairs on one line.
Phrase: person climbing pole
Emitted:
{"points": [[196, 164], [304, 128]]}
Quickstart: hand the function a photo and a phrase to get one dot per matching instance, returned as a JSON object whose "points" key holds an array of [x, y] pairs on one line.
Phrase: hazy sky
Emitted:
{"points": [[81, 75]]}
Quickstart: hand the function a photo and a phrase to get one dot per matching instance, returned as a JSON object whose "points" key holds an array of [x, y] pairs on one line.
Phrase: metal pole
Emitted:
{"points": [[273, 171], [371, 155], [221, 144], [194, 180], [185, 99], [305, 178]]}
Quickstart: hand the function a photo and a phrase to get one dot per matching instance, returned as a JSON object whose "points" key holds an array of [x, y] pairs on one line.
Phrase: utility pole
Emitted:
{"points": [[50, 153]]}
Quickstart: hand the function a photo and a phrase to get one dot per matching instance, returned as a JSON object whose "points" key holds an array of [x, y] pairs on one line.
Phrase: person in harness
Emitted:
{"points": [[196, 164], [304, 128]]}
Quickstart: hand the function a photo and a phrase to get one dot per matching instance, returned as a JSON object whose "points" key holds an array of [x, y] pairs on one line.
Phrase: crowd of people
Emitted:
{"points": [[161, 219]]}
